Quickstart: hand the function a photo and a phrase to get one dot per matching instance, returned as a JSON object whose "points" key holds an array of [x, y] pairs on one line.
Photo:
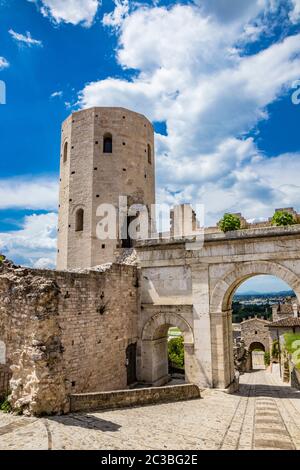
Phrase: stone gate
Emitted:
{"points": [[193, 290]]}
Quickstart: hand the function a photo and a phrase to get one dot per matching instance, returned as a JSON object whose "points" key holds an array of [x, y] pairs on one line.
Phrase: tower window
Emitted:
{"points": [[65, 152], [149, 154], [79, 220], [107, 143]]}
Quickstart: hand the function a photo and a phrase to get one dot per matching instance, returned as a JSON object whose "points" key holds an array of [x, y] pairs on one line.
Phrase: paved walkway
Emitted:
{"points": [[264, 414]]}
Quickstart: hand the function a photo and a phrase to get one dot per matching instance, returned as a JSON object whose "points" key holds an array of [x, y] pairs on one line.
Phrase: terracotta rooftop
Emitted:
{"points": [[289, 322]]}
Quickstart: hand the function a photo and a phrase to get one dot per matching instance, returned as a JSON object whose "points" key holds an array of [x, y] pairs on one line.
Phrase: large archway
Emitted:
{"points": [[221, 312], [154, 348]]}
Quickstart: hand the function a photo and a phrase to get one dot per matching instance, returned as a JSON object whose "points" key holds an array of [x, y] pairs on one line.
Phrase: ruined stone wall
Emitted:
{"points": [[65, 333], [30, 330]]}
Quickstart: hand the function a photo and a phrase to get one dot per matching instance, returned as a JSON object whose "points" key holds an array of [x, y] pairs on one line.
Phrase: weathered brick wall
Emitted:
{"points": [[66, 332], [98, 320]]}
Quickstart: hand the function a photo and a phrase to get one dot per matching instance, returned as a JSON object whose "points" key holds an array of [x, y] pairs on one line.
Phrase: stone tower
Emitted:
{"points": [[105, 153]]}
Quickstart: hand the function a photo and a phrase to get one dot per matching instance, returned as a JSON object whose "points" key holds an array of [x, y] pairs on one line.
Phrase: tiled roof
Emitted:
{"points": [[288, 322]]}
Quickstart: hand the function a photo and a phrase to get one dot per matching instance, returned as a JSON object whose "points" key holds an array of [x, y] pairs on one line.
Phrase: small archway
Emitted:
{"points": [[257, 356], [107, 143], [154, 348]]}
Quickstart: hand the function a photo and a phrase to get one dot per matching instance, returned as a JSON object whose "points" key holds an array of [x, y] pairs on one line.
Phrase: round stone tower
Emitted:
{"points": [[105, 153]]}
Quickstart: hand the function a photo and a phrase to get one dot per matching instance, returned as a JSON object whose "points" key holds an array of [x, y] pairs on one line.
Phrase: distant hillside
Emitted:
{"points": [[288, 293]]}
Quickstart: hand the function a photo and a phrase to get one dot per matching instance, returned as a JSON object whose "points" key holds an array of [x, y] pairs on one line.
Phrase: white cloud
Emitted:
{"points": [[70, 11], [211, 95], [295, 13], [34, 244], [36, 193], [117, 16], [56, 94], [3, 63], [25, 38]]}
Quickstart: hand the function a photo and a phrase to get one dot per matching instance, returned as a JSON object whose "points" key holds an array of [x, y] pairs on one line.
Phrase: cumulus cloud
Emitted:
{"points": [[117, 16], [26, 39], [211, 95], [34, 244], [295, 13], [35, 193], [70, 11], [3, 63]]}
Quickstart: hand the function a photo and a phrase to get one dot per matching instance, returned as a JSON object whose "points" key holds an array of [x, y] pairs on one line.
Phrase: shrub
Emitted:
{"points": [[176, 352], [229, 222], [275, 350], [283, 218], [267, 358], [5, 406], [292, 346]]}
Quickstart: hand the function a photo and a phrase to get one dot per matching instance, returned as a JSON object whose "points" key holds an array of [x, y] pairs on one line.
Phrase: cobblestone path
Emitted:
{"points": [[264, 414]]}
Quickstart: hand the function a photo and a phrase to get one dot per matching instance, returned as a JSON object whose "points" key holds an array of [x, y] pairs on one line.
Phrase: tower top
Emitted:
{"points": [[107, 109]]}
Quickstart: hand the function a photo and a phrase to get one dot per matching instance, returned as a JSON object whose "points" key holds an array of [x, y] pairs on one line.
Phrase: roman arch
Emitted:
{"points": [[154, 346], [201, 284]]}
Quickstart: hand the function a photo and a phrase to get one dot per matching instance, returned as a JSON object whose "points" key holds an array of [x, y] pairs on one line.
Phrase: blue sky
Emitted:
{"points": [[216, 77]]}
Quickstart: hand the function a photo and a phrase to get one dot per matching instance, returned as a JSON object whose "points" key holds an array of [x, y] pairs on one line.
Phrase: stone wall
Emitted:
{"points": [[254, 331], [65, 332], [138, 397]]}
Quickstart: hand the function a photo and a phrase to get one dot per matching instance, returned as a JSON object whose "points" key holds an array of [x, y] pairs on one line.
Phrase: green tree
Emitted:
{"points": [[229, 222], [176, 352], [283, 218]]}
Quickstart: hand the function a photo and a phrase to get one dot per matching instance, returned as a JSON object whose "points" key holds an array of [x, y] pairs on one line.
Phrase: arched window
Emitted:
{"points": [[65, 152], [149, 154], [79, 219], [107, 143]]}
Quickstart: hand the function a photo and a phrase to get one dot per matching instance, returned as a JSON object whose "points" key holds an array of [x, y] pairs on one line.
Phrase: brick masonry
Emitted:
{"points": [[65, 332]]}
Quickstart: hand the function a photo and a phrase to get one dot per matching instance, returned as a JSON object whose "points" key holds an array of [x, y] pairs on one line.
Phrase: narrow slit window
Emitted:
{"points": [[107, 143], [79, 220], [65, 152], [149, 154]]}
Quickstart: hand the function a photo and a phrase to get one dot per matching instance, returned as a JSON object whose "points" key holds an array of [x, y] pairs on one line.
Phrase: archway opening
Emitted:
{"points": [[256, 303], [161, 357], [176, 363]]}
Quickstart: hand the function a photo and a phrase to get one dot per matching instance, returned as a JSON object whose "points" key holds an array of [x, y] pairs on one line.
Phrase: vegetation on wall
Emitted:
{"points": [[229, 222], [5, 405], [275, 350], [283, 218], [176, 352], [292, 346], [267, 358]]}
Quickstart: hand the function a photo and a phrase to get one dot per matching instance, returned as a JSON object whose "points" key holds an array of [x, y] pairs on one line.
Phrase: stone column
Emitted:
{"points": [[201, 371], [155, 361], [222, 347]]}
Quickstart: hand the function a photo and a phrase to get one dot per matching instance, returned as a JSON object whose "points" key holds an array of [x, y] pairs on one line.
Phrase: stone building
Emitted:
{"points": [[100, 322]]}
